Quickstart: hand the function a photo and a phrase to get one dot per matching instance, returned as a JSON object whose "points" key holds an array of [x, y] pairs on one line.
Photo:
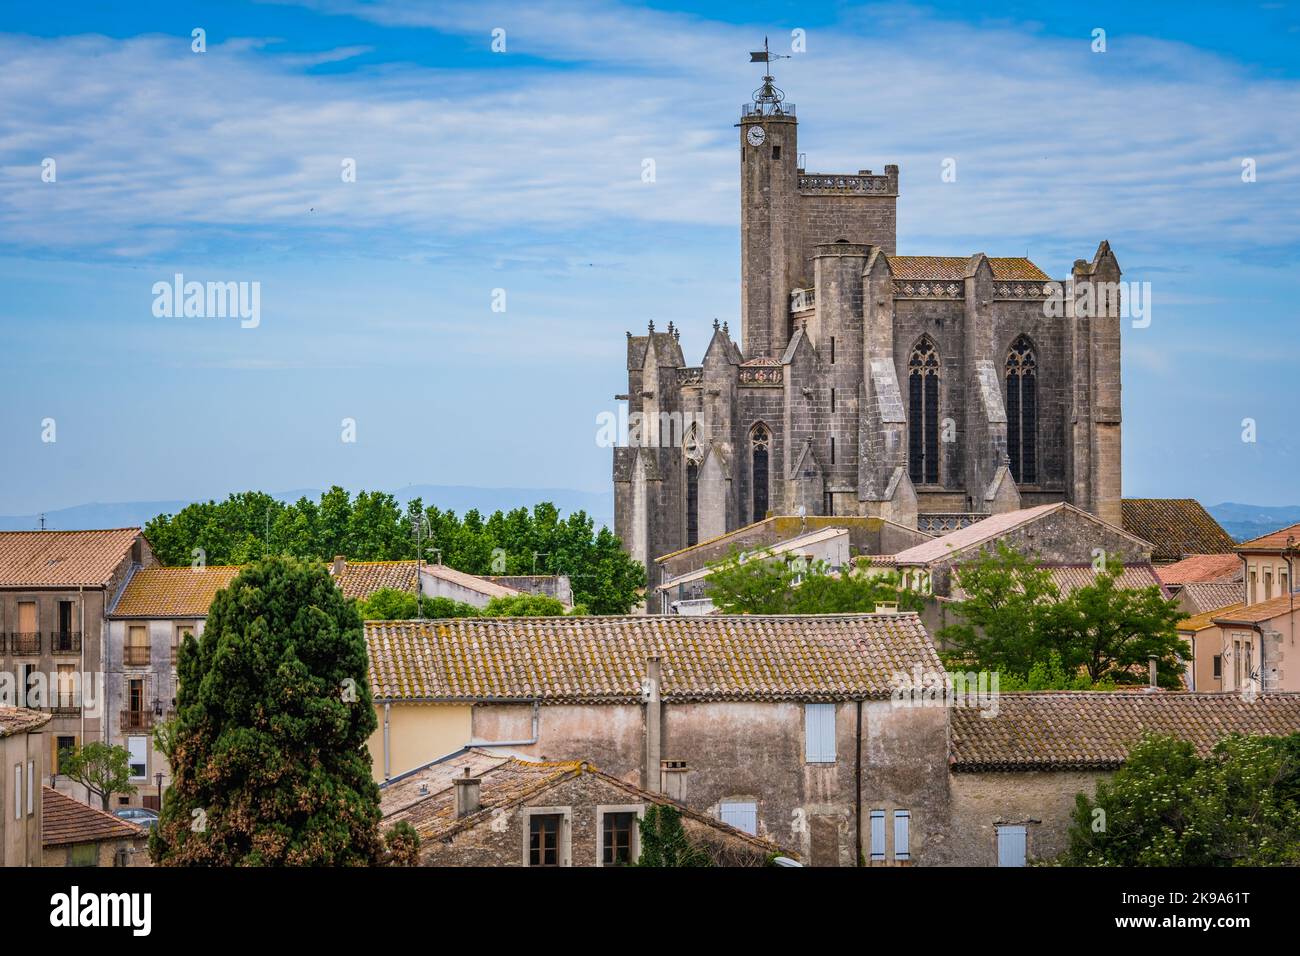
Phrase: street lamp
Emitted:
{"points": [[158, 780]]}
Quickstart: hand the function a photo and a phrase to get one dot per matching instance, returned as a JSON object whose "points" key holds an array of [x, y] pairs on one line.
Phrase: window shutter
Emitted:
{"points": [[819, 733], [31, 787], [18, 791], [902, 834], [742, 816], [1011, 846], [877, 834]]}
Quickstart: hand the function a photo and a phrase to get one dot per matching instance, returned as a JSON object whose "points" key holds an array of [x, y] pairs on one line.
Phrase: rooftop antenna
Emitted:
{"points": [[768, 97], [42, 522]]}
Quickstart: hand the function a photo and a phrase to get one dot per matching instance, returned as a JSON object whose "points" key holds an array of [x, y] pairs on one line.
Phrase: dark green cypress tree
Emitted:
{"points": [[268, 747]]}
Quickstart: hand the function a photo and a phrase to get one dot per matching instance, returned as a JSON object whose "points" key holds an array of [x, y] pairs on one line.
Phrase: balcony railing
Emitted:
{"points": [[137, 719], [136, 656], [24, 642], [65, 642]]}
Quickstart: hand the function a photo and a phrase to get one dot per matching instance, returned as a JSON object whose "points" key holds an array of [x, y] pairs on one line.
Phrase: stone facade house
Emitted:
{"points": [[786, 725], [146, 625], [488, 809], [361, 579], [1015, 776], [73, 834], [1268, 564], [868, 382], [56, 589], [24, 760]]}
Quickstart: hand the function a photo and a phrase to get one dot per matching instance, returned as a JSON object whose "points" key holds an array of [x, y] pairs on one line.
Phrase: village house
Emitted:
{"points": [[24, 758], [1014, 776], [786, 725], [148, 623], [361, 579], [1176, 528], [56, 588], [487, 808], [74, 834]]}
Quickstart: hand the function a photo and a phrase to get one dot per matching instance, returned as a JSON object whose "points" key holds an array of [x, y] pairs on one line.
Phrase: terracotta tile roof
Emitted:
{"points": [[1263, 611], [603, 659], [63, 558], [1092, 730], [64, 820], [507, 781], [1273, 541], [1214, 595], [173, 592], [1199, 622], [20, 720], [1176, 526], [1069, 577], [1201, 568], [471, 582], [360, 579], [954, 267]]}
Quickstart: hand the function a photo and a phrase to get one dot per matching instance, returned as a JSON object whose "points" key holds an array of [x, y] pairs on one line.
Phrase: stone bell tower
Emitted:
{"points": [[769, 239]]}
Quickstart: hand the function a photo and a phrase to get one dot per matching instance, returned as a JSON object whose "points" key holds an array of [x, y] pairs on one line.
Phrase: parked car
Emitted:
{"points": [[147, 819]]}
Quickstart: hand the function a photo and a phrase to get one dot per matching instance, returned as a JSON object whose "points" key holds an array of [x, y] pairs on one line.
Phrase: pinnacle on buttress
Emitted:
{"points": [[652, 326], [715, 324]]}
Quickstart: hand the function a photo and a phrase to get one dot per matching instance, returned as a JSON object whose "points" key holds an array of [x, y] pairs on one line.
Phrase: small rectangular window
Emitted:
{"points": [[819, 733], [65, 746], [832, 350], [618, 838], [832, 449], [832, 400], [1011, 846], [544, 840], [877, 834], [776, 152], [902, 834], [741, 814], [138, 759], [1218, 665]]}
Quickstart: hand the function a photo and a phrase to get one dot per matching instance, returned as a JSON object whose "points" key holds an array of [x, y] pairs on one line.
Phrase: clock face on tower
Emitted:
{"points": [[755, 136]]}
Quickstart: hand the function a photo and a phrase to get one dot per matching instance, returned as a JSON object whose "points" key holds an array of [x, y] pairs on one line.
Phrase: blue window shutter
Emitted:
{"points": [[742, 816], [819, 733], [902, 834], [877, 834], [1011, 846]]}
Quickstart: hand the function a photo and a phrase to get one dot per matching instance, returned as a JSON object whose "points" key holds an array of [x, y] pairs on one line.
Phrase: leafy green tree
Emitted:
{"points": [[1051, 674], [1013, 617], [1167, 806], [773, 584], [664, 841], [373, 527], [269, 758], [524, 605], [103, 769], [390, 604]]}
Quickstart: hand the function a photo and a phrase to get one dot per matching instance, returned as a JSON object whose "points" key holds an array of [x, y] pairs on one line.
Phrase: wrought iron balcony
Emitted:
{"points": [[24, 642], [137, 719], [65, 642]]}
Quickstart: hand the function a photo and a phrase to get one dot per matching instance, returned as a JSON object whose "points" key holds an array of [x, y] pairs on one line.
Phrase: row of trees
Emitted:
{"points": [[771, 584], [388, 604], [373, 526]]}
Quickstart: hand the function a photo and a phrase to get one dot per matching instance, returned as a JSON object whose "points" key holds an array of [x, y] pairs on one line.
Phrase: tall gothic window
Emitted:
{"points": [[760, 440], [923, 414], [1022, 411], [694, 452]]}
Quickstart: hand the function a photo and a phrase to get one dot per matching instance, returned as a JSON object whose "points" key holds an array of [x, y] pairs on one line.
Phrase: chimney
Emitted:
{"points": [[468, 794], [887, 607], [672, 779], [340, 563], [653, 724]]}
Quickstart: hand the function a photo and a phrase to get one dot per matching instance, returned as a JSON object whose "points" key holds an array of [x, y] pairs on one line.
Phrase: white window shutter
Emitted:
{"points": [[1011, 846], [741, 815], [819, 733], [902, 834], [877, 834]]}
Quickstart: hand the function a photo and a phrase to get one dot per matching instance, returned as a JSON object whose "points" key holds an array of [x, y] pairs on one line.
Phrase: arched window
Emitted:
{"points": [[1022, 411], [923, 414], [694, 453], [760, 440]]}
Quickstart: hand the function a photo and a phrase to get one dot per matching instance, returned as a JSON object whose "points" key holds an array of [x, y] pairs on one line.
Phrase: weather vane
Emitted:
{"points": [[768, 94]]}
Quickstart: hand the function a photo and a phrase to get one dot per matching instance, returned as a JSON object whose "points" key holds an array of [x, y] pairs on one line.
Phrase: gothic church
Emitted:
{"points": [[926, 390]]}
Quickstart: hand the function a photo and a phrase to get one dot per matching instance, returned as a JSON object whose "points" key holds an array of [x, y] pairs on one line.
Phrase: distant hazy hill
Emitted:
{"points": [[1250, 521], [457, 498]]}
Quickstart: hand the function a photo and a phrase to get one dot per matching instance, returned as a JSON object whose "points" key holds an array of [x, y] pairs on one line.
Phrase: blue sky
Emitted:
{"points": [[522, 171]]}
